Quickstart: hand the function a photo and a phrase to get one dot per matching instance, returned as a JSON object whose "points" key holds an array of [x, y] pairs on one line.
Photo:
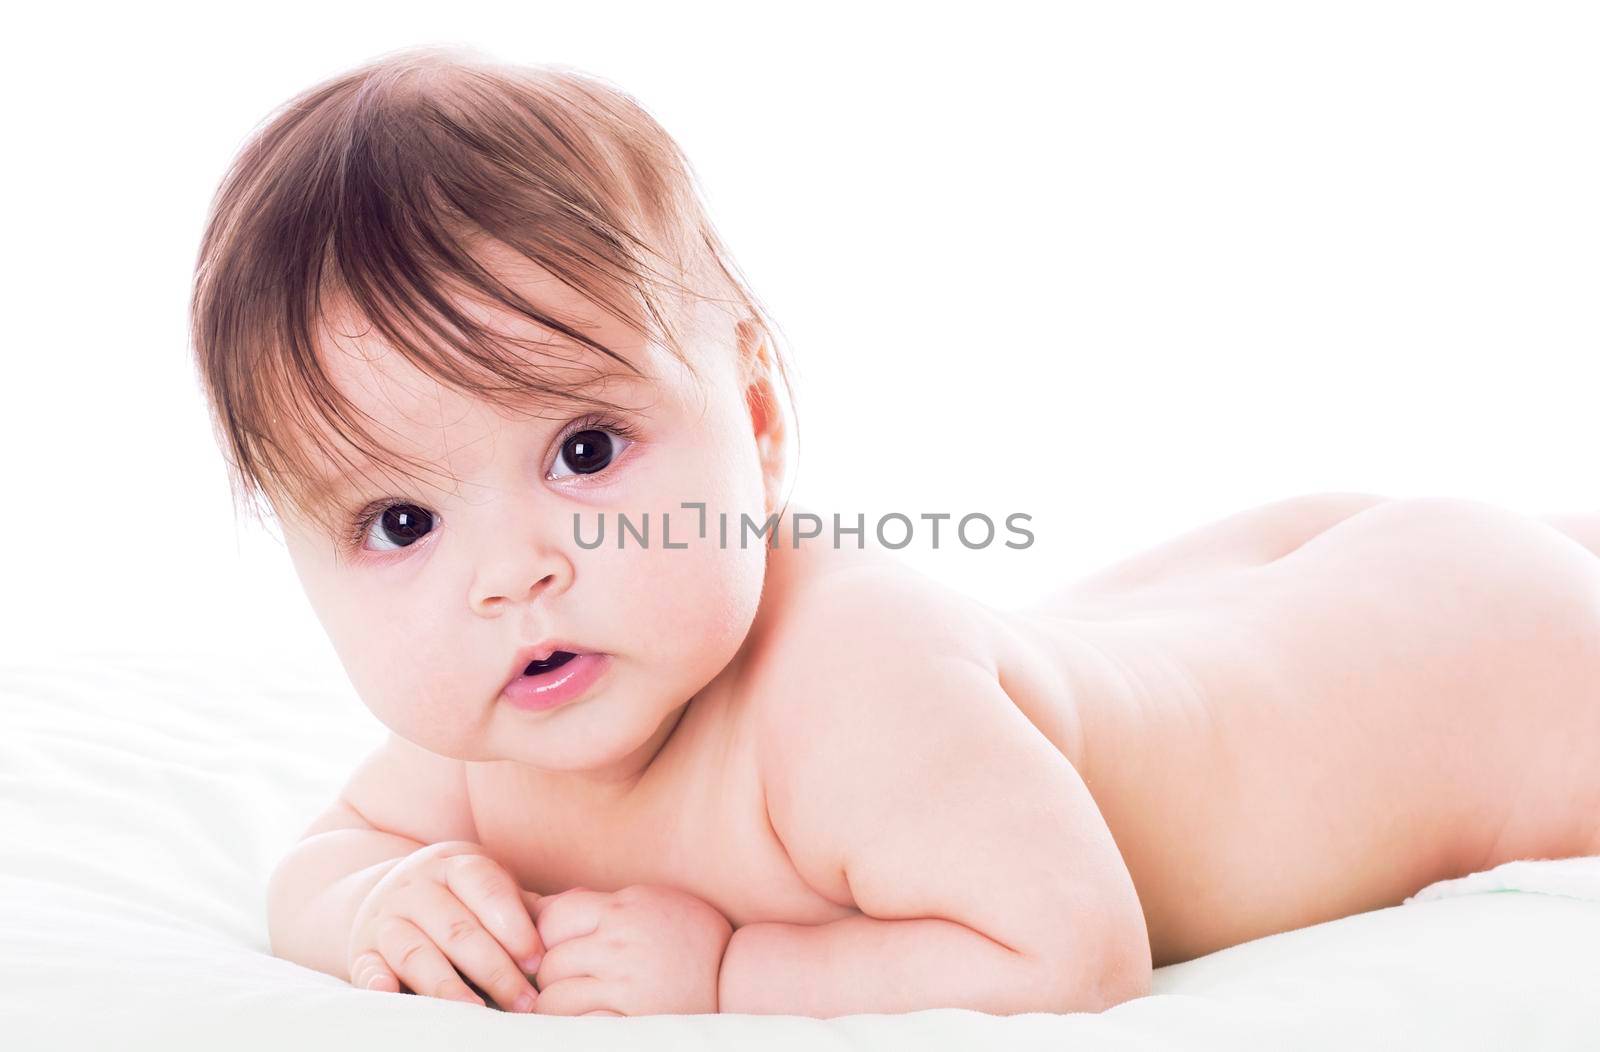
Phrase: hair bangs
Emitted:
{"points": [[387, 196]]}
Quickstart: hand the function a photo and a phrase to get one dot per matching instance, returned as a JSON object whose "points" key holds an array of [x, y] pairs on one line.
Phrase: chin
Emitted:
{"points": [[596, 731]]}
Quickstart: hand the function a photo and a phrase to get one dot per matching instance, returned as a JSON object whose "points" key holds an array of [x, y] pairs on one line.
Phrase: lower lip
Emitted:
{"points": [[558, 686]]}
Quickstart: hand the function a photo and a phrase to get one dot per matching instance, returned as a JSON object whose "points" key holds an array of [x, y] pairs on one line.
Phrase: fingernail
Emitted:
{"points": [[532, 963], [524, 1003]]}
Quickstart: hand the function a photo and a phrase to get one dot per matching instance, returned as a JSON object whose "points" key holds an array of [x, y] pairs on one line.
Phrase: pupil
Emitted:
{"points": [[588, 451], [405, 523]]}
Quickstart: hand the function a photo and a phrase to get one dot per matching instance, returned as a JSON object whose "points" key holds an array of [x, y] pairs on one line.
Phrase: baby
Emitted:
{"points": [[658, 747]]}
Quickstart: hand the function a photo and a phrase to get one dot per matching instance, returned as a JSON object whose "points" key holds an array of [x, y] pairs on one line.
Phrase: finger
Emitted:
{"points": [[484, 887], [470, 949], [537, 902], [412, 955], [370, 972], [601, 1011], [575, 997], [585, 955], [530, 902], [570, 914], [537, 906]]}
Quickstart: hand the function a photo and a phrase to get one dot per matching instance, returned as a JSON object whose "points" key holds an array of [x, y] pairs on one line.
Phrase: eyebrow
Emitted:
{"points": [[345, 479], [342, 477], [343, 473]]}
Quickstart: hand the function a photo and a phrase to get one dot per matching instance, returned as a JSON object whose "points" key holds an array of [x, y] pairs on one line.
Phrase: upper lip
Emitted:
{"points": [[538, 652]]}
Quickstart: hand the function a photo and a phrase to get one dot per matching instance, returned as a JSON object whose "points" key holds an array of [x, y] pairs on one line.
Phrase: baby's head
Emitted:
{"points": [[443, 306]]}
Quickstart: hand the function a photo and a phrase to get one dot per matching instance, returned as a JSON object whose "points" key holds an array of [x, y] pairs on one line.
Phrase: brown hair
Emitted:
{"points": [[372, 188]]}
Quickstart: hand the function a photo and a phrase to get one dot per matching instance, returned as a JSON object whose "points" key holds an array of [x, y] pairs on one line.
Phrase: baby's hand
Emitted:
{"points": [[447, 907], [643, 950]]}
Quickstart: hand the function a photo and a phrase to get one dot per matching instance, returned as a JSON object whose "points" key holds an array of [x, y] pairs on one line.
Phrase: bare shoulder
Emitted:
{"points": [[884, 621], [903, 781], [877, 614], [851, 659]]}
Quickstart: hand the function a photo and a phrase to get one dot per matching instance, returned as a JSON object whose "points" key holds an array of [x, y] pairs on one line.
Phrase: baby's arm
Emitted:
{"points": [[398, 799], [986, 876], [404, 808]]}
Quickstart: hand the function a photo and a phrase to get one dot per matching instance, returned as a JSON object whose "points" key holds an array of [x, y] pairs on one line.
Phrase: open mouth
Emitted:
{"points": [[554, 661], [564, 676]]}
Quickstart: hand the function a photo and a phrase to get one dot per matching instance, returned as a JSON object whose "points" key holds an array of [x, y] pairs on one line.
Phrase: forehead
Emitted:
{"points": [[416, 415], [350, 347]]}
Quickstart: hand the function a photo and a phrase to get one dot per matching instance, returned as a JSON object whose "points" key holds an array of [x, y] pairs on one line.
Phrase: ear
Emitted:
{"points": [[761, 378]]}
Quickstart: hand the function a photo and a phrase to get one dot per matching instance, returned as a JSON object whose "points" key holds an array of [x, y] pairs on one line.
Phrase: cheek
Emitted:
{"points": [[691, 607], [711, 610], [660, 591], [707, 594], [407, 672]]}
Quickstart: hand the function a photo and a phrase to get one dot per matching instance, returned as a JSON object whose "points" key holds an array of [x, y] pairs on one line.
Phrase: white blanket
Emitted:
{"points": [[144, 801]]}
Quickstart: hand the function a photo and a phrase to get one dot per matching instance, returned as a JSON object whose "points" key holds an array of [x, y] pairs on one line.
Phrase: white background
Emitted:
{"points": [[1125, 267]]}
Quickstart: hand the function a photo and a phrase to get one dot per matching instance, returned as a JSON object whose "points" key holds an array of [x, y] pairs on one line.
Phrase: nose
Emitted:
{"points": [[516, 573]]}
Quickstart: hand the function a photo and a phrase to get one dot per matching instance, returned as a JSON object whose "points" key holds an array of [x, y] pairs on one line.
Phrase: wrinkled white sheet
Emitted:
{"points": [[145, 799]]}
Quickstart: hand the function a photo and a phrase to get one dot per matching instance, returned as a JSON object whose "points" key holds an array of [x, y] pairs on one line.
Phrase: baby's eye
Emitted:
{"points": [[588, 451], [405, 523]]}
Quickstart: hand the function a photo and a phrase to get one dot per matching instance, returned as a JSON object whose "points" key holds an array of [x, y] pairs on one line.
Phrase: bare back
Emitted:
{"points": [[1284, 730]]}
